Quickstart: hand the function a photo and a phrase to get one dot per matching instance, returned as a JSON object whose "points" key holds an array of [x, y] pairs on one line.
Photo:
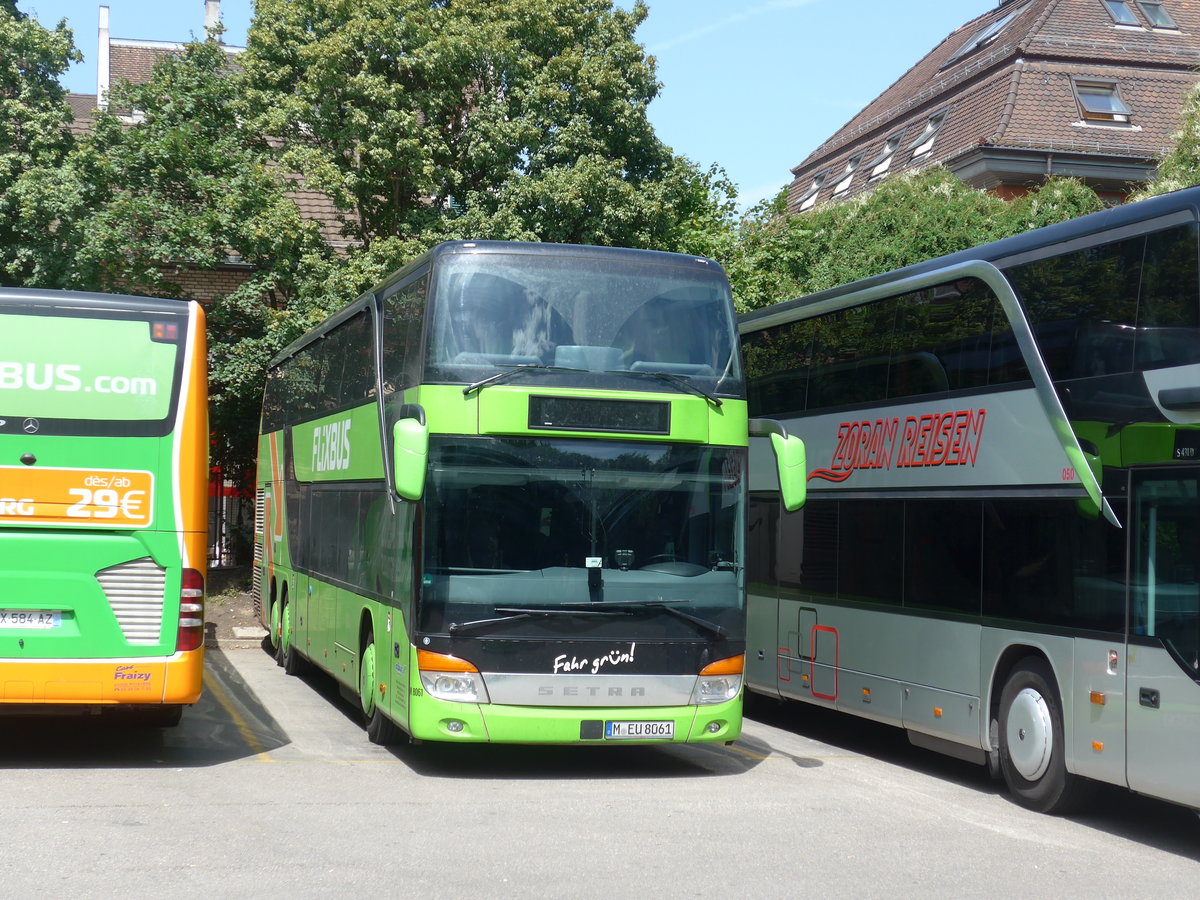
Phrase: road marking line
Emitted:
{"points": [[256, 746]]}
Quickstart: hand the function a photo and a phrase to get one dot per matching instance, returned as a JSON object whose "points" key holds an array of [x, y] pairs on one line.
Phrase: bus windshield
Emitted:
{"points": [[493, 311], [104, 372], [558, 524]]}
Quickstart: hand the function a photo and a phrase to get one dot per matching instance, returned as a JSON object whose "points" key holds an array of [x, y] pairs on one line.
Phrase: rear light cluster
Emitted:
{"points": [[191, 611]]}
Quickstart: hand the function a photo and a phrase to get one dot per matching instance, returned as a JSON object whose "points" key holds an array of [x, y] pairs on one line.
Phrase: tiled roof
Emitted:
{"points": [[1014, 90], [83, 107], [133, 60]]}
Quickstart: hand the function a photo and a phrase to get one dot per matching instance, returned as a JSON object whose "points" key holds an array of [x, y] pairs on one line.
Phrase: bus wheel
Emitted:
{"points": [[273, 630], [380, 729], [1032, 746], [285, 653]]}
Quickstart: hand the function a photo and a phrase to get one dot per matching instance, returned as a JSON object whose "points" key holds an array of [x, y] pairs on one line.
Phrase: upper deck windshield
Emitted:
{"points": [[493, 312], [547, 525], [89, 371]]}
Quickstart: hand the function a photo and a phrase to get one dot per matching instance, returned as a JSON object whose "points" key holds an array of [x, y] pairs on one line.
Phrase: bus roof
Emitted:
{"points": [[1185, 201], [88, 300]]}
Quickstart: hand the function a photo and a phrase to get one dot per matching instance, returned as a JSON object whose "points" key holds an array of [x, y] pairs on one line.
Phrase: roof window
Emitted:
{"points": [[810, 196], [1100, 101], [852, 165], [984, 36], [1156, 15], [924, 142], [1121, 12], [881, 163]]}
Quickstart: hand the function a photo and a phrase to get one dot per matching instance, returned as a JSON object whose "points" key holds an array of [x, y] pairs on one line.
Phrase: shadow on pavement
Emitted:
{"points": [[1113, 810]]}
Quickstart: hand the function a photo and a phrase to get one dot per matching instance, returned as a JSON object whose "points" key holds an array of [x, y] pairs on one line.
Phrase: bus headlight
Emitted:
{"points": [[716, 688], [720, 681], [451, 678], [462, 687]]}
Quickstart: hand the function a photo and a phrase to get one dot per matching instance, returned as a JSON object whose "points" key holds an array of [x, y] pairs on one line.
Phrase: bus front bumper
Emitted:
{"points": [[439, 720]]}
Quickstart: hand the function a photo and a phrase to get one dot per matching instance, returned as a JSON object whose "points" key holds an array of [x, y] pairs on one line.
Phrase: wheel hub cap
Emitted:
{"points": [[1030, 734]]}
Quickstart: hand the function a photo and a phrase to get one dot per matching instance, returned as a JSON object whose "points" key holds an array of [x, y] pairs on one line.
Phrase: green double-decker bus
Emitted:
{"points": [[103, 503], [502, 498]]}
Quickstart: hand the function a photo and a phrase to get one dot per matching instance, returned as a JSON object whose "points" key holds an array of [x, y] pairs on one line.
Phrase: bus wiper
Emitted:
{"points": [[512, 613], [633, 606], [671, 378], [508, 374]]}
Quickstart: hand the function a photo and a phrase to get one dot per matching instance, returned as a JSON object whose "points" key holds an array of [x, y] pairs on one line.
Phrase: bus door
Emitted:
{"points": [[1163, 654]]}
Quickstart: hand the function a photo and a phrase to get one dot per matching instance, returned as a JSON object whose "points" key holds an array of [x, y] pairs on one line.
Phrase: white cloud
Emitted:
{"points": [[729, 21]]}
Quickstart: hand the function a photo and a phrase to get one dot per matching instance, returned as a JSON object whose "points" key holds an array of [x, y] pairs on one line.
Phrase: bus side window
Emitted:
{"points": [[403, 325]]}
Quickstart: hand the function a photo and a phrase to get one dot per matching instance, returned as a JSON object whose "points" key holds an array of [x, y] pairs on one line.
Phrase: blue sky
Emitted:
{"points": [[752, 86]]}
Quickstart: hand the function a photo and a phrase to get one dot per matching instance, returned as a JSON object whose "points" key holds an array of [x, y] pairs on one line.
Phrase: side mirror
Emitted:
{"points": [[410, 450], [790, 459], [793, 475]]}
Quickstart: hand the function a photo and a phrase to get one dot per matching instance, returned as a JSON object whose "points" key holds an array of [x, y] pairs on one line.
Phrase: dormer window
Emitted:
{"points": [[1121, 12], [1100, 101], [1156, 15], [810, 196], [881, 163], [924, 142], [848, 175]]}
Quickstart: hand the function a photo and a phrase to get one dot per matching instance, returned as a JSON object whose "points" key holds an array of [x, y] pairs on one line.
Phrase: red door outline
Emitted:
{"points": [[813, 662]]}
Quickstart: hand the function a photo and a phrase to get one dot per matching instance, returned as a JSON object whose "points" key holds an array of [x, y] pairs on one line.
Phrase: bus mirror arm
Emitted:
{"points": [[789, 458], [410, 450]]}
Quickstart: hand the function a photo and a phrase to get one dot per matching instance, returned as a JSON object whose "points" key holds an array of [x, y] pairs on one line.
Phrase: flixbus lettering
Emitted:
{"points": [[43, 377], [331, 446]]}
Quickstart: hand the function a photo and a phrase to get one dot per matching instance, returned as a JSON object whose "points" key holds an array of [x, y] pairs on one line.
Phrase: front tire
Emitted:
{"points": [[1032, 742], [380, 729]]}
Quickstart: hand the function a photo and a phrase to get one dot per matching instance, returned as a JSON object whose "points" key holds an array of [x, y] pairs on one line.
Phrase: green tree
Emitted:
{"points": [[167, 178], [34, 120], [1180, 165], [524, 119], [906, 220]]}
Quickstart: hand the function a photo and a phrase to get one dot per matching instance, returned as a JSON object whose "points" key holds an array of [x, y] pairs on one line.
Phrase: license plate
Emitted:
{"points": [[639, 731], [30, 618]]}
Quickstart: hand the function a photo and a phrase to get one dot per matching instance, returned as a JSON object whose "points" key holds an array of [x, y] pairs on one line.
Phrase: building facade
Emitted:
{"points": [[1089, 89]]}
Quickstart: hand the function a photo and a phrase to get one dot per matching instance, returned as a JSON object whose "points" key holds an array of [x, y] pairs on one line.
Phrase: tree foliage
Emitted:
{"points": [[524, 119], [34, 120], [906, 220], [1180, 165]]}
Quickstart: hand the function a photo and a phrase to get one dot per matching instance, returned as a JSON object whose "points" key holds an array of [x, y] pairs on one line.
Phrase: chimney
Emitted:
{"points": [[102, 61], [212, 17]]}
